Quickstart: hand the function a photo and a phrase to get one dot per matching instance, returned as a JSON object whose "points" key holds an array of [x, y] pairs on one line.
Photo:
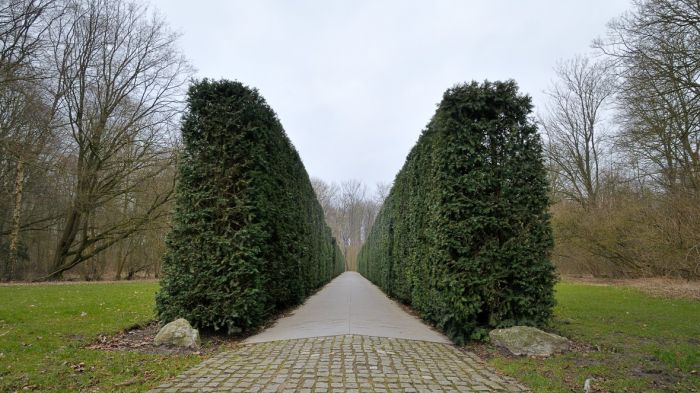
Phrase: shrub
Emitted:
{"points": [[464, 234], [248, 235]]}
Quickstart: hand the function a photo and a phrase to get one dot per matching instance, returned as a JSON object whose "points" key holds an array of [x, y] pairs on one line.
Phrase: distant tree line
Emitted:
{"points": [[622, 132], [350, 209], [249, 237], [90, 95]]}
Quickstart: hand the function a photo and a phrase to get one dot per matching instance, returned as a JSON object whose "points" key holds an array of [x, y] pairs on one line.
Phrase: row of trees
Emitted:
{"points": [[249, 235], [350, 210], [90, 91], [464, 234], [623, 144]]}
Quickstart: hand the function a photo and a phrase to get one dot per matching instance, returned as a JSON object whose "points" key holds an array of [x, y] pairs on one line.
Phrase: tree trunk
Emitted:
{"points": [[122, 257], [16, 221], [70, 231]]}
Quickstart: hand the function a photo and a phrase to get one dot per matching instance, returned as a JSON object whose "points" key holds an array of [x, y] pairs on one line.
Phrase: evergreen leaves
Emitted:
{"points": [[464, 234], [248, 235]]}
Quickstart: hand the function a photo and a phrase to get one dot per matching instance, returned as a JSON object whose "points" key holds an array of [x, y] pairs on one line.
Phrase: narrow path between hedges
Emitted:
{"points": [[348, 337], [350, 304]]}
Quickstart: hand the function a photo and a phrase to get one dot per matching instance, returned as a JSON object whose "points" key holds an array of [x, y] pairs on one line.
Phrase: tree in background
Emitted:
{"points": [[657, 51], [24, 116], [647, 224], [350, 212], [120, 77], [574, 124], [90, 91]]}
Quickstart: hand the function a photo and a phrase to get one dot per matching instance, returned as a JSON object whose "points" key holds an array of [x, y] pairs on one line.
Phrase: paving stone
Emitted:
{"points": [[349, 363]]}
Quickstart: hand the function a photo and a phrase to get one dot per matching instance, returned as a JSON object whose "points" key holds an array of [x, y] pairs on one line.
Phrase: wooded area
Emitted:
{"points": [[350, 209], [91, 95], [623, 137]]}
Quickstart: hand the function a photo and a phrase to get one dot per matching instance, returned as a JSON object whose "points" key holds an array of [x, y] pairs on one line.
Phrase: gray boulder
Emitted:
{"points": [[526, 340], [178, 333]]}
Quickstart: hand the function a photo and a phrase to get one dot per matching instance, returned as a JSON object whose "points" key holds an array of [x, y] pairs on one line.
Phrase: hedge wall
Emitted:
{"points": [[464, 235], [248, 235]]}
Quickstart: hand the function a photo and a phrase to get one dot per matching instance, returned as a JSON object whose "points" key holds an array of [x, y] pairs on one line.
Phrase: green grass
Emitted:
{"points": [[640, 343], [44, 330], [646, 344]]}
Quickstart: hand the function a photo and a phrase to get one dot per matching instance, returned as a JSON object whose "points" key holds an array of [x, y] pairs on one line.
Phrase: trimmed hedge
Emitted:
{"points": [[464, 235], [248, 235]]}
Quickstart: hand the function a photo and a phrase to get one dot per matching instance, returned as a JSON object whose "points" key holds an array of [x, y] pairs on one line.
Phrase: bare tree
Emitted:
{"points": [[662, 36], [649, 225], [120, 81], [22, 28], [575, 128], [657, 53], [90, 91], [25, 134], [382, 191], [24, 117], [350, 212], [327, 194]]}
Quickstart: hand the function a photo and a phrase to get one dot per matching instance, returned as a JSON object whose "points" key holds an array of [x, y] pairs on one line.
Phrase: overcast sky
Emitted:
{"points": [[354, 82]]}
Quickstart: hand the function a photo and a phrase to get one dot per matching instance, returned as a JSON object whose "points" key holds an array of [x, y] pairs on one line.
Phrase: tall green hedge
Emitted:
{"points": [[464, 235], [248, 235]]}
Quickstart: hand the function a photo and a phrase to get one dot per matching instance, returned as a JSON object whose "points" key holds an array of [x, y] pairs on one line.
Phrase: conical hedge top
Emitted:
{"points": [[248, 233], [464, 234]]}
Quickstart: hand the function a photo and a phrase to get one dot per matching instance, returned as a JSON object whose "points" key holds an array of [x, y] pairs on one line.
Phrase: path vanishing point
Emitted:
{"points": [[348, 337]]}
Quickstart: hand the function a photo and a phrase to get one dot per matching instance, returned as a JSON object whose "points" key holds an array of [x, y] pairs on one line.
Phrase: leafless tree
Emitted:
{"points": [[656, 49], [90, 93], [24, 136], [22, 27], [24, 116], [662, 36], [350, 212], [575, 128], [382, 191], [120, 81], [651, 226]]}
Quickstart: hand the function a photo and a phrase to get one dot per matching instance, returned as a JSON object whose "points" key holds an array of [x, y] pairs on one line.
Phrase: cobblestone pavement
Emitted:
{"points": [[348, 363]]}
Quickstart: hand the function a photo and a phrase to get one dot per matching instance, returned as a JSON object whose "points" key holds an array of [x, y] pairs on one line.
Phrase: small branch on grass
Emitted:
{"points": [[126, 383]]}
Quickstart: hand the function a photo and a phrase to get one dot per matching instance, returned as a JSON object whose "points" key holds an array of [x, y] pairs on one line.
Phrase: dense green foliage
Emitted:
{"points": [[249, 235], [464, 234]]}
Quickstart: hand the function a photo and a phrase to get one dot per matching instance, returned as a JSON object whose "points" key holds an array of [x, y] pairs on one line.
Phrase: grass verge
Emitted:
{"points": [[628, 341], [44, 331]]}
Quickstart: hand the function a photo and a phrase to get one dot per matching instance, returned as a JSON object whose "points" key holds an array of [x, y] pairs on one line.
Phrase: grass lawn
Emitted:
{"points": [[44, 329], [638, 343]]}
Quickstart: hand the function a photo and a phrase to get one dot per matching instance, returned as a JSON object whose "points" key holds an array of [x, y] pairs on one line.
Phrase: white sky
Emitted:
{"points": [[354, 82]]}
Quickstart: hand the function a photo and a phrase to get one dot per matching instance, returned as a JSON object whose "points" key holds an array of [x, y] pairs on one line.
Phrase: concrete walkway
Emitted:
{"points": [[350, 304]]}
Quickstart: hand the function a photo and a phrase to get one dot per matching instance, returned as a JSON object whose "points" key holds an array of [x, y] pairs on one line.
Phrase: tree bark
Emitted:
{"points": [[16, 221], [67, 238]]}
